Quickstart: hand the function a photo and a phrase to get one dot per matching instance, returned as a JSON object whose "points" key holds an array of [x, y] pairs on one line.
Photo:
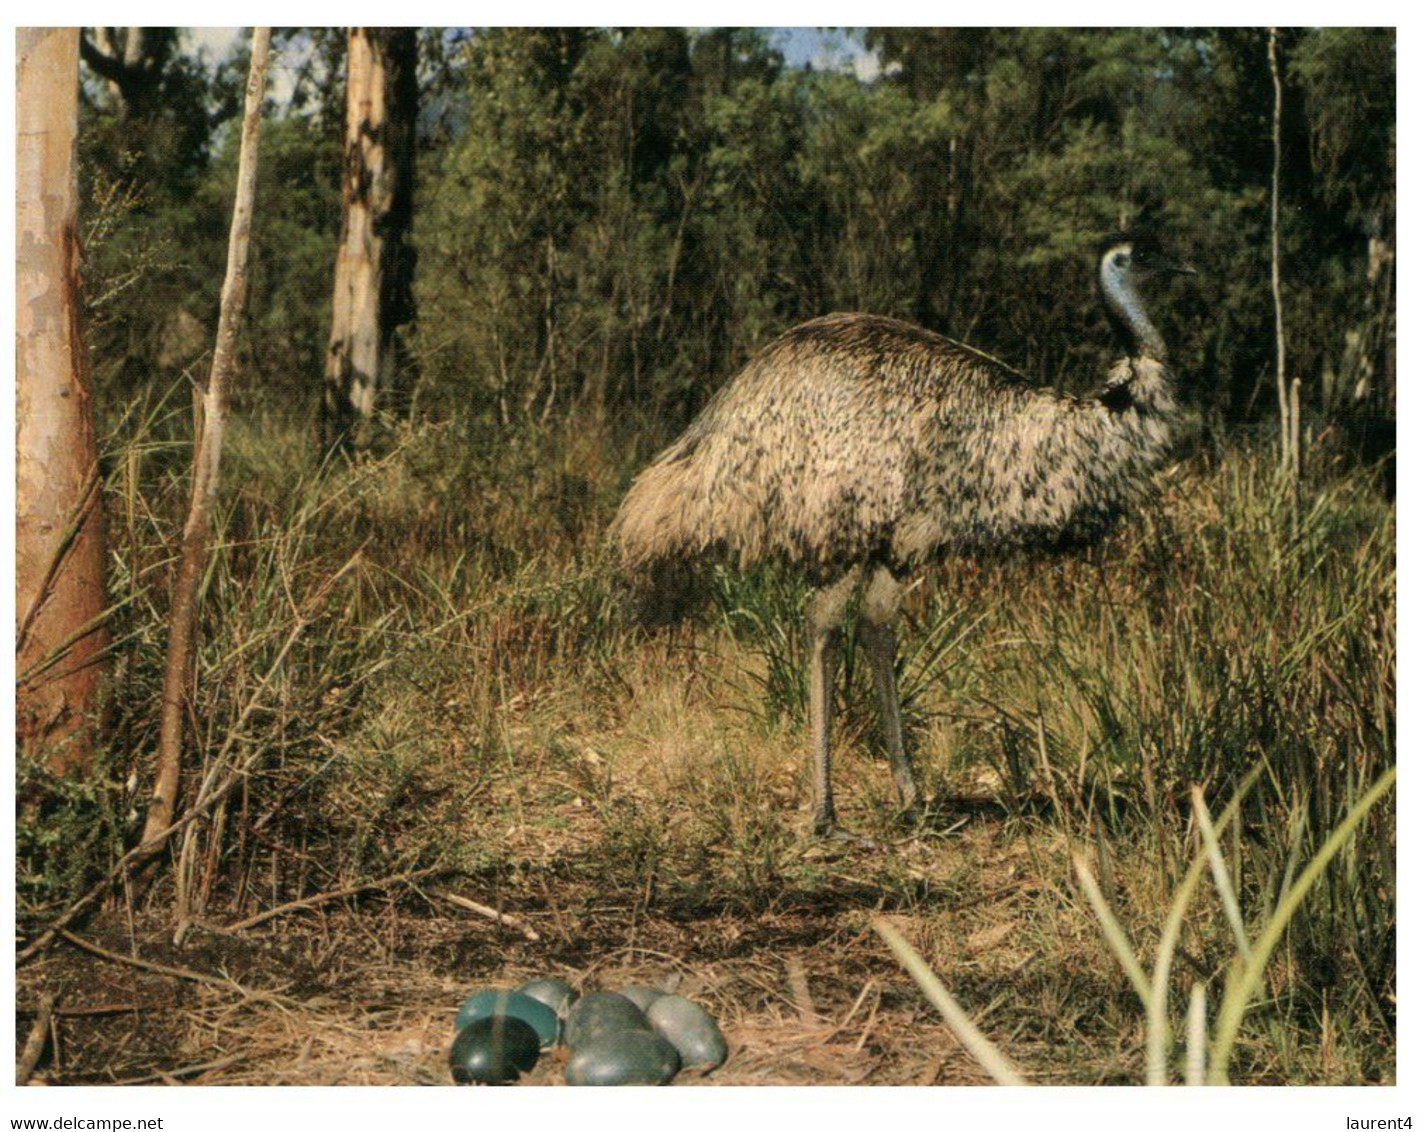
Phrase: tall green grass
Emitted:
{"points": [[1206, 1057], [391, 645]]}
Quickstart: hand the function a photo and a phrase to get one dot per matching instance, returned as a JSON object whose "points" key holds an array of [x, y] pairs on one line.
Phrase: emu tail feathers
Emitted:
{"points": [[660, 594], [657, 542]]}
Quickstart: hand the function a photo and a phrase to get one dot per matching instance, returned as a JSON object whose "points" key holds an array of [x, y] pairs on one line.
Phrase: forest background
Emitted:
{"points": [[603, 225]]}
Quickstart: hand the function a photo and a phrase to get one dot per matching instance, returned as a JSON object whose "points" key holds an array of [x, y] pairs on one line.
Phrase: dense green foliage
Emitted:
{"points": [[615, 219], [626, 215]]}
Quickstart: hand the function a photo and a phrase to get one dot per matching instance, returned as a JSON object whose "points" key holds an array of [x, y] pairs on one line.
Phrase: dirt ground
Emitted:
{"points": [[363, 991]]}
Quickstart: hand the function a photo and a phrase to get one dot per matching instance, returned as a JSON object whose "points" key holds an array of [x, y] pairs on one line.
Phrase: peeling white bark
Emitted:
{"points": [[59, 539]]}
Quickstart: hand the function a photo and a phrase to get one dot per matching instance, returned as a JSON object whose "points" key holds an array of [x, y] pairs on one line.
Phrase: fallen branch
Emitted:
{"points": [[184, 1071], [325, 897], [492, 914], [99, 1011], [221, 982], [142, 964], [35, 1043]]}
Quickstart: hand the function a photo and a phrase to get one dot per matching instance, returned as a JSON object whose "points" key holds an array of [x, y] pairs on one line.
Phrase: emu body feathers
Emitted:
{"points": [[855, 438]]}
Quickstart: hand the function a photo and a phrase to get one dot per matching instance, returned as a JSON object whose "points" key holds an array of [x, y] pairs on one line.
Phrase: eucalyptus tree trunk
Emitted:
{"points": [[192, 560], [130, 61], [1288, 394], [60, 595], [375, 264]]}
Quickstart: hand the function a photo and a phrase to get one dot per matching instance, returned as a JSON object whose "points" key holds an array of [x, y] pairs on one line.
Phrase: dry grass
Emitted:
{"points": [[465, 701], [365, 994]]}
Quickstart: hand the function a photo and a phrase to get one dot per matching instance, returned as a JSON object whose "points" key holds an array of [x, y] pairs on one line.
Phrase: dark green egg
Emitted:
{"points": [[694, 1032], [641, 996], [492, 1050], [557, 995], [510, 1004], [599, 1013], [623, 1057]]}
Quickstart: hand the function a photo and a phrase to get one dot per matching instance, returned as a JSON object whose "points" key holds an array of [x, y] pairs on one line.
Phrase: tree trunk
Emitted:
{"points": [[1289, 427], [192, 561], [1378, 384], [126, 59], [60, 594], [375, 263]]}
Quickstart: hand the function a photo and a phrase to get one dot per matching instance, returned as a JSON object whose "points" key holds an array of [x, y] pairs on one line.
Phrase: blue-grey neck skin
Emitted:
{"points": [[1125, 306]]}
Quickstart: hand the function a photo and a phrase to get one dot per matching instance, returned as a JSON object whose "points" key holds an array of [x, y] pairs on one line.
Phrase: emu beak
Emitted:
{"points": [[1152, 260], [1168, 266]]}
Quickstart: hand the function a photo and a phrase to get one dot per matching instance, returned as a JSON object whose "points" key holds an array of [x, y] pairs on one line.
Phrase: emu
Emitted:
{"points": [[858, 448]]}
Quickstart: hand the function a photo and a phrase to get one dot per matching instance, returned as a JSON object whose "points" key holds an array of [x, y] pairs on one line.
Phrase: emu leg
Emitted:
{"points": [[823, 614], [878, 612]]}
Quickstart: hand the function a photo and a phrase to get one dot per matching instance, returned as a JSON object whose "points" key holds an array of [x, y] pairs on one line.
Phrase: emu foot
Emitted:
{"points": [[911, 814], [826, 830]]}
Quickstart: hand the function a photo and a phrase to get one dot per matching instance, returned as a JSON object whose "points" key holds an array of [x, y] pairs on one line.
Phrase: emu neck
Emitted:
{"points": [[1128, 315]]}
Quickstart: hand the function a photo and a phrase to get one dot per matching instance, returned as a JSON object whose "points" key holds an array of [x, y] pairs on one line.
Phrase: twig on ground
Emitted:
{"points": [[142, 964], [931, 1072], [34, 1044], [871, 1020], [222, 982], [491, 913], [870, 984], [800, 990], [100, 1010], [325, 897], [184, 1071]]}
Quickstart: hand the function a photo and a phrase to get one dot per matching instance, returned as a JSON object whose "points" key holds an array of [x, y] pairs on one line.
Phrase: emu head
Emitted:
{"points": [[1126, 262], [1130, 259]]}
